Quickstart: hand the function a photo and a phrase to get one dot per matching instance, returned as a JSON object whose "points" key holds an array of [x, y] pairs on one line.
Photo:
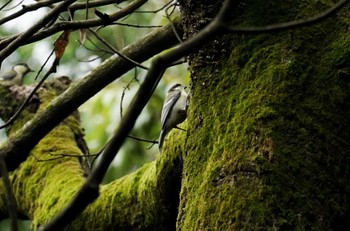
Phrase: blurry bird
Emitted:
{"points": [[174, 111], [16, 74]]}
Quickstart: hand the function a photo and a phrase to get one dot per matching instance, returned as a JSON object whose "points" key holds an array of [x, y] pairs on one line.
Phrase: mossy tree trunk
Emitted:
{"points": [[267, 142], [268, 137]]}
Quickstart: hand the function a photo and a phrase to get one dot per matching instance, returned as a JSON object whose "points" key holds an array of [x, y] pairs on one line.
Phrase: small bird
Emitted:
{"points": [[16, 74], [174, 111]]}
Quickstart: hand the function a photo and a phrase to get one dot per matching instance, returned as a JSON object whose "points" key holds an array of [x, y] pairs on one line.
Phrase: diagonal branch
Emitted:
{"points": [[27, 8], [289, 25], [92, 4]]}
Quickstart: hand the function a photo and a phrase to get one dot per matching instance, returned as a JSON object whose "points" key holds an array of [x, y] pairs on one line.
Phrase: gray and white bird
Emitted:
{"points": [[16, 74], [174, 111]]}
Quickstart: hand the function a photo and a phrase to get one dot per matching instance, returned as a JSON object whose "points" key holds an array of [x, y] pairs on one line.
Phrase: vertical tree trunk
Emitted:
{"points": [[267, 143]]}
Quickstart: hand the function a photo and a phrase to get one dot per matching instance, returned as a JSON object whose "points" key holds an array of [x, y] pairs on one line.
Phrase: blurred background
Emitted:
{"points": [[101, 114]]}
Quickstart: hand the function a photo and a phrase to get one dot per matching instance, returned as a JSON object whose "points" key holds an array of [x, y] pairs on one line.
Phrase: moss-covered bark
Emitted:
{"points": [[268, 136]]}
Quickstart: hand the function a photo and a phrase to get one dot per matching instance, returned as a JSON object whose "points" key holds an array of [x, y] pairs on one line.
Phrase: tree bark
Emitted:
{"points": [[267, 144]]}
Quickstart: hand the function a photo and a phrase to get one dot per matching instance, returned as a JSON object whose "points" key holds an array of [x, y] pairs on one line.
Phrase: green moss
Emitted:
{"points": [[51, 175]]}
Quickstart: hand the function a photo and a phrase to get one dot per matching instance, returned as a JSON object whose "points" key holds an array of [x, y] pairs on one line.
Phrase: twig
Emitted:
{"points": [[135, 25], [167, 15], [291, 24], [127, 87], [60, 156], [116, 51], [143, 140], [12, 205], [92, 4], [26, 9], [6, 3], [95, 45], [154, 11], [10, 8]]}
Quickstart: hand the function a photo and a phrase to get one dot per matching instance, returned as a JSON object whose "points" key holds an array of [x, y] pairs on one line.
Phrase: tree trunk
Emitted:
{"points": [[267, 144]]}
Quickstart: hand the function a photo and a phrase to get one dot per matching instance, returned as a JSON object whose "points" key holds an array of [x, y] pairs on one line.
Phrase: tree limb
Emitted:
{"points": [[291, 24], [25, 9]]}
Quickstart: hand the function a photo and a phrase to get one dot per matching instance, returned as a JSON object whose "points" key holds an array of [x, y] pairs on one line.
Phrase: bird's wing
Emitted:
{"points": [[168, 105], [8, 75]]}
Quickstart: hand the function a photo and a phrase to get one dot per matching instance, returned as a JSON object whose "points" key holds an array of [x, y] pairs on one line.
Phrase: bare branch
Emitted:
{"points": [[26, 9], [154, 11], [116, 51], [10, 8], [6, 3], [135, 25], [291, 24], [12, 204], [92, 4], [143, 140], [127, 87], [167, 15]]}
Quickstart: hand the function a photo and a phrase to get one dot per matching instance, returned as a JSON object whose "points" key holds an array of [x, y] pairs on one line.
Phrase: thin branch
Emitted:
{"points": [[10, 8], [116, 51], [6, 3], [95, 45], [167, 15], [154, 11], [291, 24], [12, 204], [26, 9], [24, 36], [60, 156], [143, 140], [127, 87], [92, 4], [135, 25]]}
